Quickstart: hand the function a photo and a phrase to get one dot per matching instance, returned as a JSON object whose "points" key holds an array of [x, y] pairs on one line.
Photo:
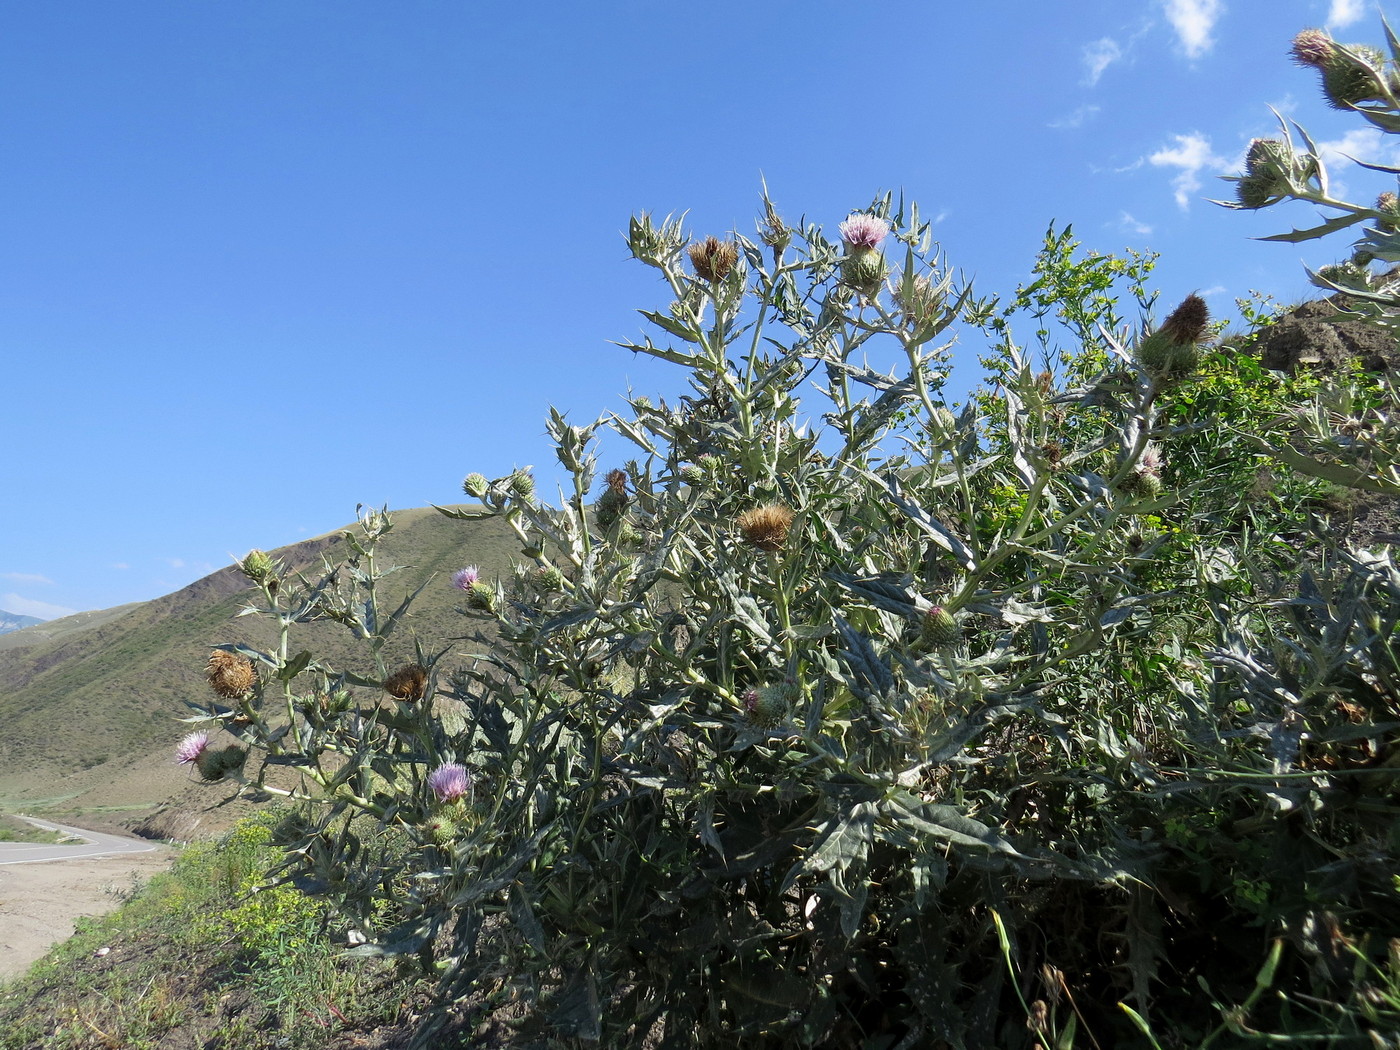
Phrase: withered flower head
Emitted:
{"points": [[230, 675], [713, 258], [617, 481], [1187, 323], [407, 683], [765, 527]]}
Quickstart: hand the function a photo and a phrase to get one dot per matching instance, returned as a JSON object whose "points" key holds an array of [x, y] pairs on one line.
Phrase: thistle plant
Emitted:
{"points": [[792, 728], [1364, 80]]}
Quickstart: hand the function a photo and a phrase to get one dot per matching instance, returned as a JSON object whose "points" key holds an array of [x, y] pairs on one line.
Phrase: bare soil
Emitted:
{"points": [[40, 902]]}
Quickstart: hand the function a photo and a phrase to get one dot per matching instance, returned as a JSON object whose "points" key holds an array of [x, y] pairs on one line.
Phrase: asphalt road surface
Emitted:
{"points": [[93, 844]]}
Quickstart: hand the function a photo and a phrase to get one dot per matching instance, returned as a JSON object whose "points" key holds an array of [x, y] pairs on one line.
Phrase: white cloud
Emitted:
{"points": [[1076, 119], [1193, 21], [1191, 155], [25, 577], [14, 603], [1364, 144], [120, 565], [1128, 224], [175, 563], [1098, 56], [1343, 13]]}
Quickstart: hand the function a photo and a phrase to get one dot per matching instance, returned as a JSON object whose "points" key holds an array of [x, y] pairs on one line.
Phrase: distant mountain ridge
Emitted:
{"points": [[90, 704], [15, 621]]}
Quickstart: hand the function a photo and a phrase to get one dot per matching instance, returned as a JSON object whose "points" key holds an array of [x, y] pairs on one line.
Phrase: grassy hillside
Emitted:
{"points": [[90, 703]]}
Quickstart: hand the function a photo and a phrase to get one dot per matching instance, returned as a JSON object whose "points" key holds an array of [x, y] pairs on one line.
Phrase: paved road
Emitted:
{"points": [[94, 844]]}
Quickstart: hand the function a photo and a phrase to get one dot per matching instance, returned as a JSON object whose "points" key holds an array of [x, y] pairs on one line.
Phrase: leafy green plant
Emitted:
{"points": [[832, 717]]}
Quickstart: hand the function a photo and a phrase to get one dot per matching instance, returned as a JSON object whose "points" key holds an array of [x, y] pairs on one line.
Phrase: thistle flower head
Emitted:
{"points": [[463, 579], [1312, 47], [767, 705], [713, 258], [481, 595], [407, 683], [230, 675], [765, 527], [1188, 322], [864, 232], [1151, 461], [476, 485], [939, 628], [191, 746], [617, 481], [449, 783], [257, 566]]}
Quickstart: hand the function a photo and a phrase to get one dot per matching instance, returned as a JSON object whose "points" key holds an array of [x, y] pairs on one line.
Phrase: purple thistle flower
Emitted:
{"points": [[449, 782], [463, 579], [191, 746], [864, 231]]}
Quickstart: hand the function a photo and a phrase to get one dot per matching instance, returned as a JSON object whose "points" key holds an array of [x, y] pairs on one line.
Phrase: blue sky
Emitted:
{"points": [[263, 261]]}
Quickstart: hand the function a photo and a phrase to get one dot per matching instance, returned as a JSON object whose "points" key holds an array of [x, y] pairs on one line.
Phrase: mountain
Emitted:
{"points": [[90, 704], [14, 621]]}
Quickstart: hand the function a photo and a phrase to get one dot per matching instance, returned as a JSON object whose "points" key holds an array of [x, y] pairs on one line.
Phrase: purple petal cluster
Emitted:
{"points": [[191, 746], [864, 231], [463, 579], [449, 782]]}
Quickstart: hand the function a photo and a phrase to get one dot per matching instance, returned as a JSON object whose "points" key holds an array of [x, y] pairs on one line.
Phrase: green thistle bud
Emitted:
{"points": [[522, 483], [548, 578], [694, 475], [476, 486], [1142, 484], [1348, 81], [1253, 192], [768, 705], [864, 270], [481, 595], [213, 765], [939, 628], [1171, 352], [610, 507], [441, 830], [257, 566]]}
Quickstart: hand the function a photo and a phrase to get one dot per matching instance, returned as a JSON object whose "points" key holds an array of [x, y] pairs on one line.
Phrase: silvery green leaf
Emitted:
{"points": [[868, 674], [1341, 222], [929, 524], [1016, 613]]}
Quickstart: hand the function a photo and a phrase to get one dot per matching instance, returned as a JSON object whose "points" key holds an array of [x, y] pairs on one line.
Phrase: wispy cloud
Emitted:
{"points": [[175, 563], [1364, 144], [1128, 224], [1077, 119], [1343, 13], [1193, 21], [1190, 156], [1098, 56], [25, 577], [15, 603], [120, 565]]}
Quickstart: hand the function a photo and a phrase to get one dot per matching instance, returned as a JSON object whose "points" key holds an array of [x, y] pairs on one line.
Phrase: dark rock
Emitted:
{"points": [[1311, 336]]}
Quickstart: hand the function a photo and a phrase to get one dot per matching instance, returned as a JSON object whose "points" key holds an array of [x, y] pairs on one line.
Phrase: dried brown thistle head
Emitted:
{"points": [[407, 683], [1188, 322], [765, 527], [230, 675], [713, 258]]}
